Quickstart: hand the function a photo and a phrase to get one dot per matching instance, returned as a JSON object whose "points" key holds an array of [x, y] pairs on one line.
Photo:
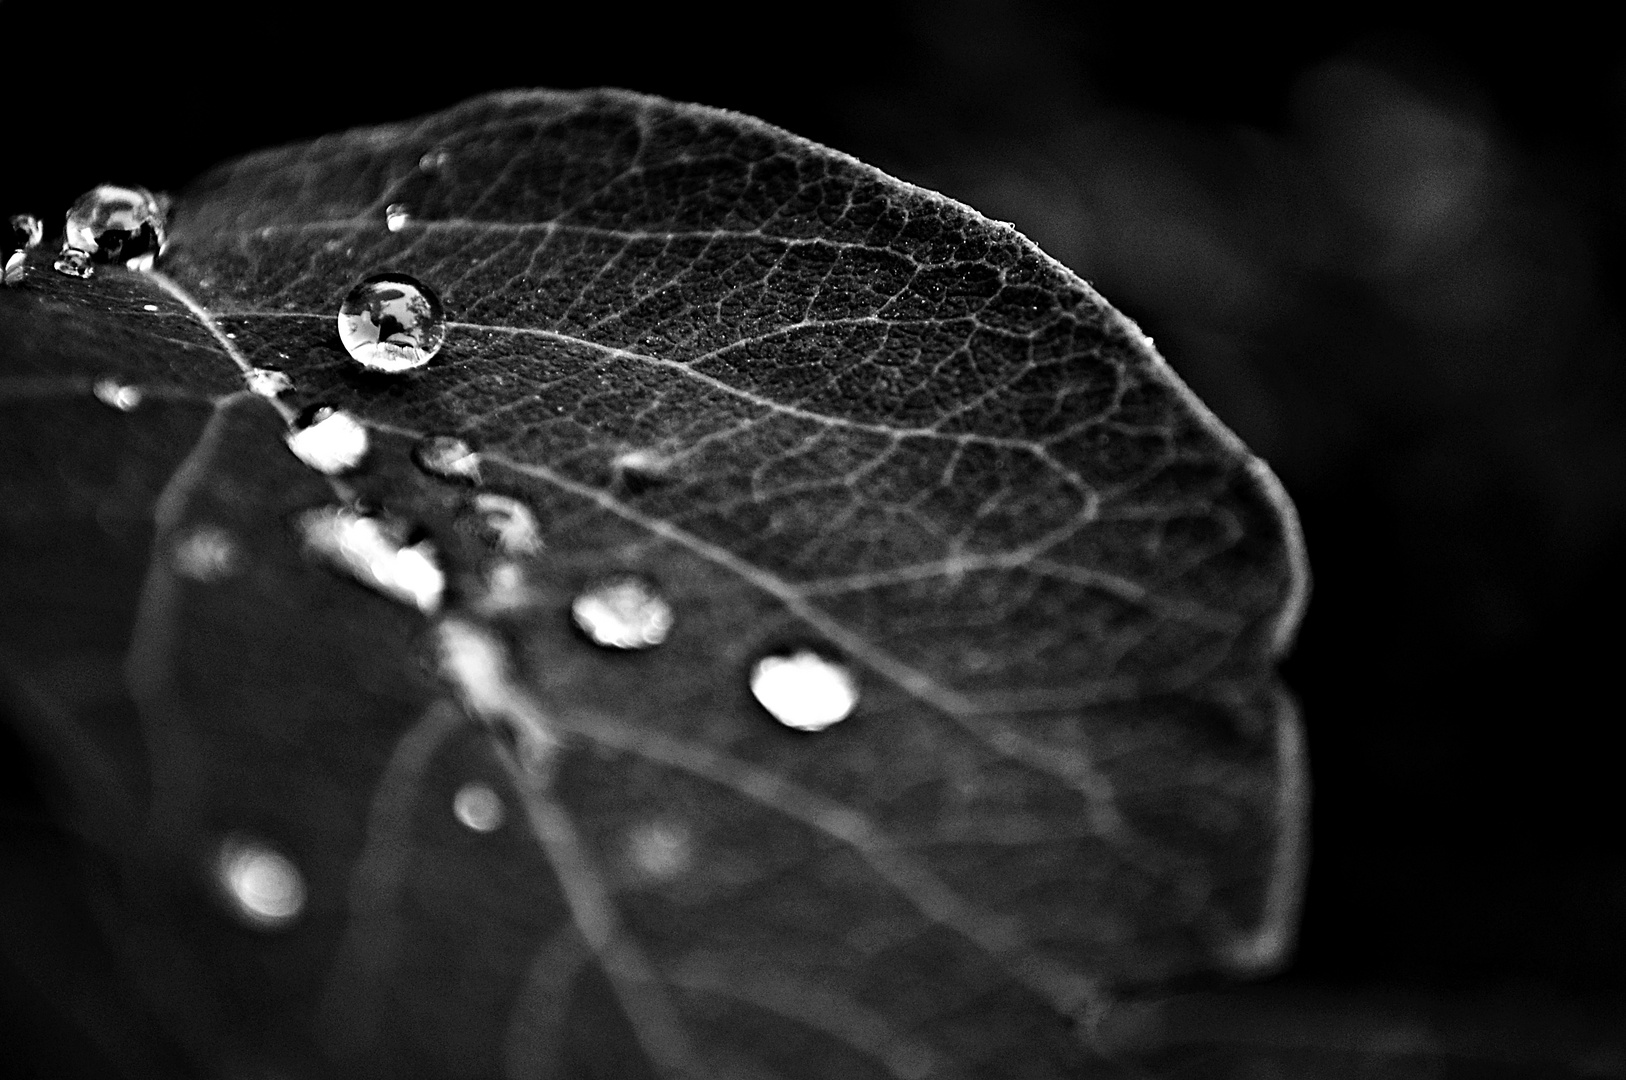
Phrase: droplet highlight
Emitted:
{"points": [[23, 232], [114, 224], [448, 458], [329, 440], [636, 471], [803, 689], [479, 808], [16, 271], [377, 552], [623, 612], [73, 263], [509, 523], [115, 394], [397, 216], [267, 382], [206, 554], [149, 307], [392, 323], [264, 886]]}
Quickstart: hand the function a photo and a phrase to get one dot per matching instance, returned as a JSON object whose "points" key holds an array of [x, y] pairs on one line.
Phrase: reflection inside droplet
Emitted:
{"points": [[623, 612], [329, 440], [267, 382], [116, 224], [478, 807], [110, 391], [375, 551], [392, 323], [397, 216], [264, 886], [804, 690], [447, 457]]}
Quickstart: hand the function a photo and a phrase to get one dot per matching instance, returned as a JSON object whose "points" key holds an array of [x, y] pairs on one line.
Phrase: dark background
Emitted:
{"points": [[1389, 256]]}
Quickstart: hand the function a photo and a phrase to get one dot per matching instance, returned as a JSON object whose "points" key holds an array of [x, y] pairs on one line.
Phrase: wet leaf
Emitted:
{"points": [[815, 408]]}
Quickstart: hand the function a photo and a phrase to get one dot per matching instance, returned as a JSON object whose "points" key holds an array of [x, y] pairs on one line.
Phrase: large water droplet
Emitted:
{"points": [[478, 807], [803, 689], [392, 323], [116, 224], [23, 231], [623, 612], [16, 268], [267, 382], [378, 552], [397, 216], [118, 395], [509, 522], [73, 263], [263, 885], [207, 554], [447, 457], [329, 440]]}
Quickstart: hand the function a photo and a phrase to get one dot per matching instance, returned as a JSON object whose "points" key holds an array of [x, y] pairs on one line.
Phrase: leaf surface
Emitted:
{"points": [[814, 405]]}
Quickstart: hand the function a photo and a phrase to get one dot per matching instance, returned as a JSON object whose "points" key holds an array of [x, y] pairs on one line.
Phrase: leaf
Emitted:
{"points": [[866, 418]]}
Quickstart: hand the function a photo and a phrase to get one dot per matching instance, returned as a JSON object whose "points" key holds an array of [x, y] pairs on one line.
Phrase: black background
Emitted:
{"points": [[1444, 398]]}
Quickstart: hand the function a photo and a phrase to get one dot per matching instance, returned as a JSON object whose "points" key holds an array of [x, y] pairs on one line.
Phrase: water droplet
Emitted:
{"points": [[121, 396], [509, 522], [623, 612], [804, 690], [639, 470], [397, 216], [149, 307], [376, 551], [267, 382], [116, 224], [505, 590], [73, 263], [478, 807], [447, 457], [263, 885], [329, 440], [660, 849], [207, 553], [434, 160], [392, 323], [16, 268], [23, 231]]}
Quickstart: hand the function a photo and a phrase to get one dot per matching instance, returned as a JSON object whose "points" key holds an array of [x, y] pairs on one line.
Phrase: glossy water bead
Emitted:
{"points": [[392, 323], [116, 224]]}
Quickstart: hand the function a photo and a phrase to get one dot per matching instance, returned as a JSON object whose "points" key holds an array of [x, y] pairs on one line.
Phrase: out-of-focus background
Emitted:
{"points": [[1389, 256]]}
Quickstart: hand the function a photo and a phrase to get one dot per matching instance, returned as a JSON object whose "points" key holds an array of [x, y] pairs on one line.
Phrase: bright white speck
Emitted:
{"points": [[207, 553], [110, 391], [263, 885], [374, 552], [331, 441], [623, 613], [478, 807], [804, 690], [149, 307]]}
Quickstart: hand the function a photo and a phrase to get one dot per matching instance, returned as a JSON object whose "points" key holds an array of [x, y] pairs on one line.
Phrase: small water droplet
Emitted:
{"points": [[660, 849], [121, 396], [639, 470], [73, 263], [267, 382], [397, 216], [803, 689], [434, 160], [329, 440], [378, 552], [110, 223], [392, 323], [478, 807], [623, 612], [16, 268], [207, 554], [263, 885], [149, 307], [509, 523], [231, 337], [447, 457], [23, 232]]}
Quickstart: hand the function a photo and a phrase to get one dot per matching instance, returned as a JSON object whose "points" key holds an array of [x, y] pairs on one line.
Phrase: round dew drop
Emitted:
{"points": [[392, 323], [623, 613], [264, 887], [329, 440], [477, 807], [114, 394], [804, 690], [115, 224], [397, 216]]}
